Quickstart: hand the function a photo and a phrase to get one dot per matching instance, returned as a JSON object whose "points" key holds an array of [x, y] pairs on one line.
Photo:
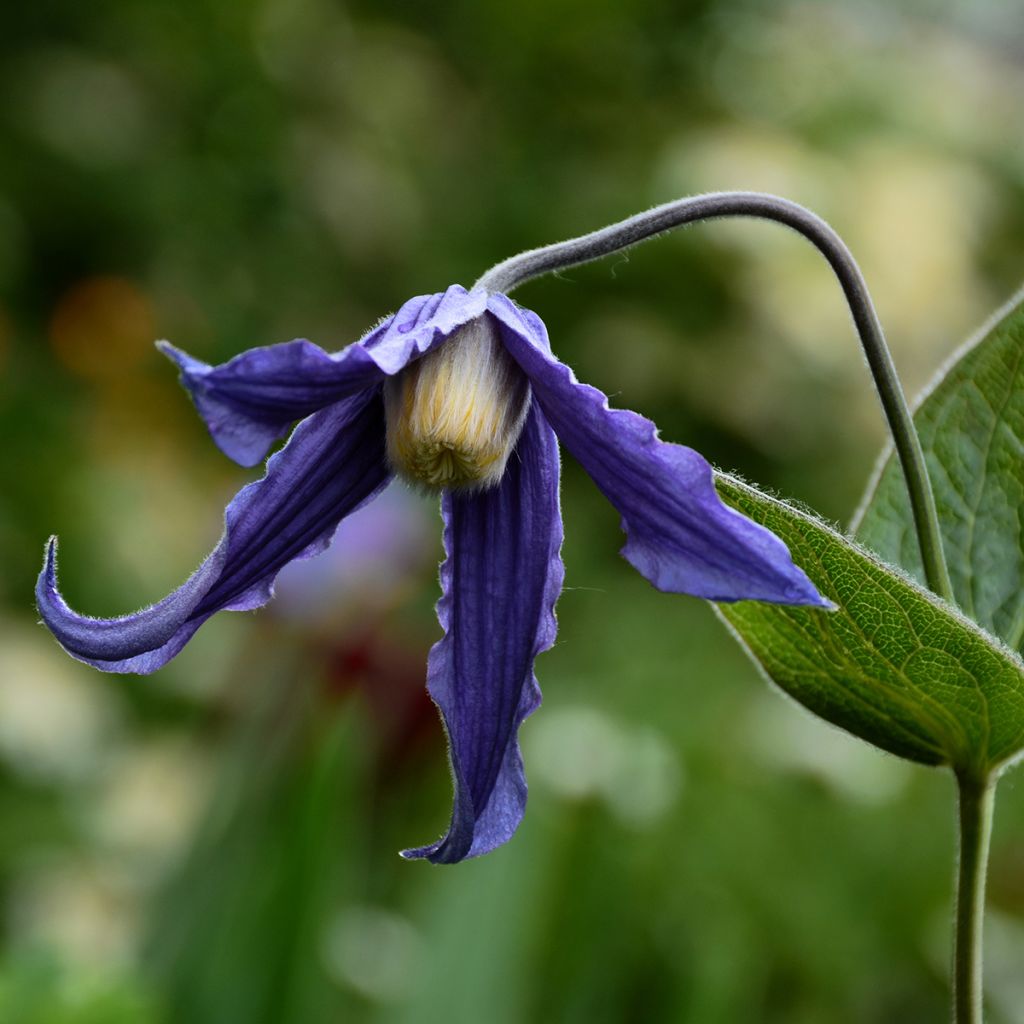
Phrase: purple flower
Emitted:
{"points": [[458, 392]]}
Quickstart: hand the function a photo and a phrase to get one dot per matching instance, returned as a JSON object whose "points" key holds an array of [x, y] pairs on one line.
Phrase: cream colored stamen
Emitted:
{"points": [[455, 415]]}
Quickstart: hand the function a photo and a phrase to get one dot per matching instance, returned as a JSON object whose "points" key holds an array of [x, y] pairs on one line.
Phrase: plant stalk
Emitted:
{"points": [[511, 273], [976, 799]]}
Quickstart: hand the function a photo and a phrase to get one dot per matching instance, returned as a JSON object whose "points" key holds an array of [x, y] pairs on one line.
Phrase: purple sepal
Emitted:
{"points": [[500, 581], [680, 535], [252, 400], [333, 463]]}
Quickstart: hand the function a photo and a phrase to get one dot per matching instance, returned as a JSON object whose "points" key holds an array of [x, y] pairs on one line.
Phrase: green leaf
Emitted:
{"points": [[971, 425], [893, 664]]}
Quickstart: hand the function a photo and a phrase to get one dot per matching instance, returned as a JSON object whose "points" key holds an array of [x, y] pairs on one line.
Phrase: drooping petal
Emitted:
{"points": [[680, 535], [250, 401], [500, 581], [332, 464]]}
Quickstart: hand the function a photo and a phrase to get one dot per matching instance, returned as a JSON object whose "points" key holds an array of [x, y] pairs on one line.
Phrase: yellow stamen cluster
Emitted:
{"points": [[455, 415]]}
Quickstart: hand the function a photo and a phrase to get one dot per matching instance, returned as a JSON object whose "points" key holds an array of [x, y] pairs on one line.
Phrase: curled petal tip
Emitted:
{"points": [[165, 348], [809, 596], [427, 853], [49, 573], [181, 359], [792, 587], [796, 588]]}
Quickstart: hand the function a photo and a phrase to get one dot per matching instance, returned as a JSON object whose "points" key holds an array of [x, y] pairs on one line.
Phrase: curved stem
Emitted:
{"points": [[975, 812], [511, 273]]}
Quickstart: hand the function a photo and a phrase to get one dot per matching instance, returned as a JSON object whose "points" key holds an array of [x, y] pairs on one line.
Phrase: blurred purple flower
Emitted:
{"points": [[458, 392], [373, 556]]}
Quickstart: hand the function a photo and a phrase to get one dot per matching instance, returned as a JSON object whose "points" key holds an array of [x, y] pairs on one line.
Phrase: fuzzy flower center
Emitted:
{"points": [[455, 415]]}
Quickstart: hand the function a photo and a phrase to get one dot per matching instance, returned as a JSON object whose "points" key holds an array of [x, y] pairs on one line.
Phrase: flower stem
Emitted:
{"points": [[975, 812], [511, 273]]}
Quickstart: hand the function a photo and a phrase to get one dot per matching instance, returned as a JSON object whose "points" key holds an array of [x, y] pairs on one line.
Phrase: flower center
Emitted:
{"points": [[455, 415]]}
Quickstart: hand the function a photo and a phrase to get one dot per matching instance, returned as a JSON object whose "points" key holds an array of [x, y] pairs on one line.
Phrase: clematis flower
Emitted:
{"points": [[459, 393]]}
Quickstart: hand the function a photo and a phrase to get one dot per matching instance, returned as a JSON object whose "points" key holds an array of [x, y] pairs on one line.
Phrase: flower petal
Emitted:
{"points": [[500, 582], [332, 464], [250, 401], [680, 535]]}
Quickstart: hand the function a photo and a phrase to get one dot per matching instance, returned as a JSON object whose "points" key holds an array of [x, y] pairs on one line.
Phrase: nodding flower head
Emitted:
{"points": [[459, 392], [454, 416]]}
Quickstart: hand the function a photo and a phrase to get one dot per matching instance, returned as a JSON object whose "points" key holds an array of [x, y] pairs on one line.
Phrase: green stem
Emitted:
{"points": [[511, 273], [975, 811]]}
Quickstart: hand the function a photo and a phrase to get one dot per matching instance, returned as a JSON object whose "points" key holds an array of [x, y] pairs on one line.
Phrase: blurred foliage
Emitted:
{"points": [[37, 990], [217, 844]]}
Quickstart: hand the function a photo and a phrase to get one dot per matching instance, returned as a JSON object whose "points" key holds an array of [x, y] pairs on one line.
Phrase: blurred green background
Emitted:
{"points": [[217, 844]]}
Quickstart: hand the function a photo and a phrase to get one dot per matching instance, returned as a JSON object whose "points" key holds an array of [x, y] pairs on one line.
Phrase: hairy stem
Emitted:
{"points": [[511, 273], [975, 812]]}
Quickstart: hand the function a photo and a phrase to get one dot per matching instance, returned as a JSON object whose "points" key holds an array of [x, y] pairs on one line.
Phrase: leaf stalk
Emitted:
{"points": [[975, 804]]}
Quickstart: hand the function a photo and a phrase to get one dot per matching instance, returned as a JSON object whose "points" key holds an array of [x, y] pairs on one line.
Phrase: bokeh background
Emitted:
{"points": [[217, 844]]}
